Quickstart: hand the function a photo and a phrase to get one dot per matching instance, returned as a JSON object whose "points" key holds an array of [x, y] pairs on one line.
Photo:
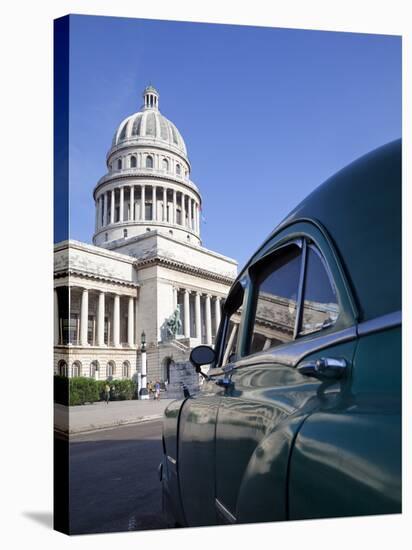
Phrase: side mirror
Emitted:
{"points": [[202, 355]]}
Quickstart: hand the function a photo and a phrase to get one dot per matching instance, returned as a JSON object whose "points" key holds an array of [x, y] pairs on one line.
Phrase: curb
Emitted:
{"points": [[92, 428]]}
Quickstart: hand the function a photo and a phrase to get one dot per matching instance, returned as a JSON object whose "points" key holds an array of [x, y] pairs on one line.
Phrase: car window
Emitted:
{"points": [[276, 293], [231, 334], [320, 306]]}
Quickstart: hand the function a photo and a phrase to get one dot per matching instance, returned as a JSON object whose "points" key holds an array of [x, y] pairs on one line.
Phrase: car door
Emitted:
{"points": [[197, 426], [298, 313]]}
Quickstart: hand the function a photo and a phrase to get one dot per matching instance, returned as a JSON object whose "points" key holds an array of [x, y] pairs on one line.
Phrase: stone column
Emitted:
{"points": [[198, 218], [130, 324], [186, 306], [112, 206], [131, 209], [136, 322], [96, 218], [105, 209], [100, 319], [174, 215], [174, 299], [198, 321], [183, 211], [116, 321], [56, 318], [192, 214], [164, 204], [121, 205], [154, 203], [143, 203], [217, 312], [208, 321], [84, 317]]}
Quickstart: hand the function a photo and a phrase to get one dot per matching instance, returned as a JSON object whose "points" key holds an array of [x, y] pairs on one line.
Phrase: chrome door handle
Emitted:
{"points": [[328, 367]]}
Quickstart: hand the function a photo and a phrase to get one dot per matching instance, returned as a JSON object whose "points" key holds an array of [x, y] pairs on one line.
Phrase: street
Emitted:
{"points": [[114, 483]]}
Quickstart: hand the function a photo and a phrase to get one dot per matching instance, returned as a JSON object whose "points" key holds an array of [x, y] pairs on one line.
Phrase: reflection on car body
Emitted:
{"points": [[299, 414]]}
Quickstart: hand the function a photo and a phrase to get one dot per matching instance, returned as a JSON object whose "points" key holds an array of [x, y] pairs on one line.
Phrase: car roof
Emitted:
{"points": [[360, 208]]}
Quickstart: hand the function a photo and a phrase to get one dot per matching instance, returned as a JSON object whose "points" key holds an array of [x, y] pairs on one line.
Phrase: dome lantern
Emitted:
{"points": [[150, 98]]}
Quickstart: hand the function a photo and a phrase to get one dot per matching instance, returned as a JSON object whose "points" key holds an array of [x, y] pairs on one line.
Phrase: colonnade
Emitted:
{"points": [[209, 302], [130, 202], [112, 338]]}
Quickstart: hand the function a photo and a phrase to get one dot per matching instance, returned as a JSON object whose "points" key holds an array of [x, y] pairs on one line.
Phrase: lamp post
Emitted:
{"points": [[143, 393]]}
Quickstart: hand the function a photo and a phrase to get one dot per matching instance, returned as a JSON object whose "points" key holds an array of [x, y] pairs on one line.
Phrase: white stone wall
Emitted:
{"points": [[103, 355]]}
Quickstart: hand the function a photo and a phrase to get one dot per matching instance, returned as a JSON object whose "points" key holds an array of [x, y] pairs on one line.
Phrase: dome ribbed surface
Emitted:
{"points": [[149, 124]]}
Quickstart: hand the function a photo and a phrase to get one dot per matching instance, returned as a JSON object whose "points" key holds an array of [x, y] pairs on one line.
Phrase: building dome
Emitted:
{"points": [[149, 126], [147, 186]]}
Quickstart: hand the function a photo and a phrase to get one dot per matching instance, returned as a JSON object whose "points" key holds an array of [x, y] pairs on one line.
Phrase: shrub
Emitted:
{"points": [[83, 390], [122, 389], [119, 389]]}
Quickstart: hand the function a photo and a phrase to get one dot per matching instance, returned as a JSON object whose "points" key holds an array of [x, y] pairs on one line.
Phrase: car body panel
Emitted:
{"points": [[257, 421], [348, 461], [197, 456]]}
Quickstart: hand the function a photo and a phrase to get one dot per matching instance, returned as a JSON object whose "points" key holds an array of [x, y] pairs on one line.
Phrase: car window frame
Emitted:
{"points": [[318, 252], [253, 291], [317, 238], [314, 233], [220, 348]]}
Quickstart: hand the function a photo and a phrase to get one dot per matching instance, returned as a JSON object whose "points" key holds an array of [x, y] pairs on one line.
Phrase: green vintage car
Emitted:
{"points": [[299, 415]]}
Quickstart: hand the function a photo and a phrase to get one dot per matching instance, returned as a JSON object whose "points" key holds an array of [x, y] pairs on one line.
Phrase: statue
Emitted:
{"points": [[174, 324]]}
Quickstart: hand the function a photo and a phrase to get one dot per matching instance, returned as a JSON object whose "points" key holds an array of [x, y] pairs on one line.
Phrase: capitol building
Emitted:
{"points": [[146, 273]]}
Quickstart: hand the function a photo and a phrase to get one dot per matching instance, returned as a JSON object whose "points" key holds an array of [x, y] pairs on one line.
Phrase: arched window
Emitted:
{"points": [[178, 169], [94, 369], [110, 369], [119, 164], [76, 369], [133, 162], [62, 368], [149, 161], [126, 369], [165, 165]]}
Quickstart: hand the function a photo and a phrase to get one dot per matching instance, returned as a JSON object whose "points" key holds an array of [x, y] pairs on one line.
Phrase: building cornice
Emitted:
{"points": [[94, 277], [184, 268]]}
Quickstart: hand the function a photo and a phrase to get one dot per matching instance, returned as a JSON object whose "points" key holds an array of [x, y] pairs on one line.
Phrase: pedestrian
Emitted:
{"points": [[107, 393], [157, 390]]}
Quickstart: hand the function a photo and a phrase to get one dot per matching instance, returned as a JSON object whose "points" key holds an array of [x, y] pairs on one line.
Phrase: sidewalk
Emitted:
{"points": [[84, 418]]}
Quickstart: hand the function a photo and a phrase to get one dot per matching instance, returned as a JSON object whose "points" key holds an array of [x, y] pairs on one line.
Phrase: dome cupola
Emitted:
{"points": [[147, 186], [149, 125]]}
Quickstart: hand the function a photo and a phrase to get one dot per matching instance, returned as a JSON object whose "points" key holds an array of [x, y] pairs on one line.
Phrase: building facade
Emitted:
{"points": [[146, 271]]}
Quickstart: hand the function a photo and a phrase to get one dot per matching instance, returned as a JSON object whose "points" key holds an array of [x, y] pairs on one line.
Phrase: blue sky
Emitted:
{"points": [[267, 114]]}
